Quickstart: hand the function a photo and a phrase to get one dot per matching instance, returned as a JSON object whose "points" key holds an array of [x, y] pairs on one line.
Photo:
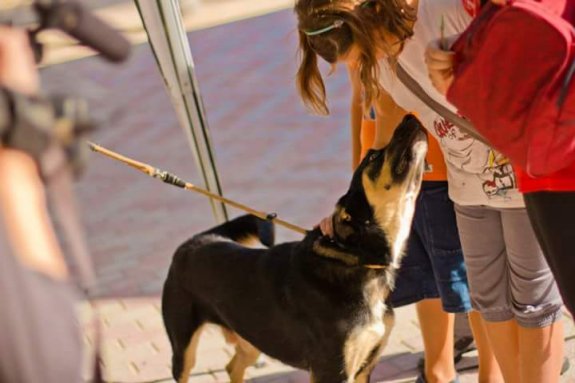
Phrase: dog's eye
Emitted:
{"points": [[374, 156]]}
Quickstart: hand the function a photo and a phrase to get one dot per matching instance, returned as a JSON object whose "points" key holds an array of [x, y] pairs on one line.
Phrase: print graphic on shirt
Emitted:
{"points": [[499, 176], [501, 180], [471, 7], [467, 153], [459, 146]]}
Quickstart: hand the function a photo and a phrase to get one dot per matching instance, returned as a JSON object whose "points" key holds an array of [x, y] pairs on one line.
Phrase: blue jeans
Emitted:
{"points": [[433, 265]]}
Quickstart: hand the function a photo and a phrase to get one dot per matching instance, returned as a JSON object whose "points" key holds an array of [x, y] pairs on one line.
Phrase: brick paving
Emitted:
{"points": [[271, 154], [135, 349]]}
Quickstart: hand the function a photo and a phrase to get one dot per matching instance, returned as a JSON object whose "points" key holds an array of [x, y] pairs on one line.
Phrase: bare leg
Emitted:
{"points": [[541, 354], [504, 339], [437, 331], [489, 371]]}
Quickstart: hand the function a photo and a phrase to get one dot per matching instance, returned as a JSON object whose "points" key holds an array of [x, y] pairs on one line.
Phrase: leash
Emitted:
{"points": [[176, 181]]}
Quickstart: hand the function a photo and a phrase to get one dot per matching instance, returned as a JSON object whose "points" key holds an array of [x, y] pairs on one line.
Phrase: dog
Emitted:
{"points": [[317, 304]]}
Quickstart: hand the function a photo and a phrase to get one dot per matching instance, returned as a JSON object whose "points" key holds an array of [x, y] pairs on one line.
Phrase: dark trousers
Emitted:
{"points": [[552, 215]]}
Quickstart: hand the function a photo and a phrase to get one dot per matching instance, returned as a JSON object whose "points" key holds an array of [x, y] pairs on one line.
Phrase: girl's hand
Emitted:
{"points": [[439, 66], [439, 61], [326, 226]]}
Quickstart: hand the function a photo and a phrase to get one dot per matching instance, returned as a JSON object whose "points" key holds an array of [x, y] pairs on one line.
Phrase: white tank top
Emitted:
{"points": [[477, 174]]}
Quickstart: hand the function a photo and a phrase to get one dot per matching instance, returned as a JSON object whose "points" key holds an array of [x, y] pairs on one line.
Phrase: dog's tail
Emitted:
{"points": [[245, 229]]}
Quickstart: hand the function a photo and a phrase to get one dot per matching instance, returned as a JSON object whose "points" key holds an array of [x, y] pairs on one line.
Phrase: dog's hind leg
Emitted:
{"points": [[183, 327], [184, 354], [245, 356], [189, 358]]}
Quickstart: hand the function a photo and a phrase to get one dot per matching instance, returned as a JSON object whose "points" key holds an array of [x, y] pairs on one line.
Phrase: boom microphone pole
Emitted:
{"points": [[73, 19], [79, 22]]}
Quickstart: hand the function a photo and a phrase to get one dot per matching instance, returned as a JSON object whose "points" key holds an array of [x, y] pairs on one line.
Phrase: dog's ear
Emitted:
{"points": [[342, 223], [353, 208]]}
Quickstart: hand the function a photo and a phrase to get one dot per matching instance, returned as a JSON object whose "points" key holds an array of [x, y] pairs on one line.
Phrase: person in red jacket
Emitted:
{"points": [[550, 200]]}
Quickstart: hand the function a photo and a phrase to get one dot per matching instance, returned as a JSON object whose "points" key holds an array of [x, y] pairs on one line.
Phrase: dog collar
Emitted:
{"points": [[337, 243], [375, 267]]}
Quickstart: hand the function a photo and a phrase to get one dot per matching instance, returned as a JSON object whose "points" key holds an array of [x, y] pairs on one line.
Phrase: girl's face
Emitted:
{"points": [[390, 46]]}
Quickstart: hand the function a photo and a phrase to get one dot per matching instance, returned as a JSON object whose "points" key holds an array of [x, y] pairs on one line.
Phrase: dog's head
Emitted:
{"points": [[375, 214]]}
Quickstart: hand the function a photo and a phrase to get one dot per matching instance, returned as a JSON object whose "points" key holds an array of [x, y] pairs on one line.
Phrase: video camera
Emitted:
{"points": [[34, 124]]}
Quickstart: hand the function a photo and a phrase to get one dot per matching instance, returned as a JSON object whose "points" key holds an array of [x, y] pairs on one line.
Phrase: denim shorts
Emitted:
{"points": [[433, 264]]}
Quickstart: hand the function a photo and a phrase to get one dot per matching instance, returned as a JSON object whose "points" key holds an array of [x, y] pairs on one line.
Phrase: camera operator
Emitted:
{"points": [[39, 333], [40, 147]]}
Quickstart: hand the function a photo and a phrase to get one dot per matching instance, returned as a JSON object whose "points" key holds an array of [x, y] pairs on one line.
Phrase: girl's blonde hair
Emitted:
{"points": [[361, 23]]}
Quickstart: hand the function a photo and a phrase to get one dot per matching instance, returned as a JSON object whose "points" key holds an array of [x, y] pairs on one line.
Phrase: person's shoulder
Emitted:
{"points": [[432, 11]]}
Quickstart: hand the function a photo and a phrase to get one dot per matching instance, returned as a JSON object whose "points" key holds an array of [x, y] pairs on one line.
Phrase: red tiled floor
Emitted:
{"points": [[271, 153]]}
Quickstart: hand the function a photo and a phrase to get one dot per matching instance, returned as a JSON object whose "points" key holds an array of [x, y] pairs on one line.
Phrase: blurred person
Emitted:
{"points": [[39, 332]]}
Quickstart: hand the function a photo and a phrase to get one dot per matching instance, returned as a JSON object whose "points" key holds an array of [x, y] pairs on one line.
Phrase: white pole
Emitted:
{"points": [[163, 22]]}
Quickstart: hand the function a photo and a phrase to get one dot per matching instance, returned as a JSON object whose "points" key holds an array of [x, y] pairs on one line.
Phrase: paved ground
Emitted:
{"points": [[135, 349], [271, 155]]}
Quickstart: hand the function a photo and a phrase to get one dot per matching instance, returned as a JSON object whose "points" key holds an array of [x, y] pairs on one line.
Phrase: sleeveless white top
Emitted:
{"points": [[477, 174]]}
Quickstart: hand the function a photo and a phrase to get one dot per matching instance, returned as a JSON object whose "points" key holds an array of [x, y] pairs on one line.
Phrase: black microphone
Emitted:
{"points": [[87, 28]]}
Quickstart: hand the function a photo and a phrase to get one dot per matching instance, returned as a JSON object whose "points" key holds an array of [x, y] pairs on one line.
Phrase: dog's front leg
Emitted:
{"points": [[362, 378], [327, 379]]}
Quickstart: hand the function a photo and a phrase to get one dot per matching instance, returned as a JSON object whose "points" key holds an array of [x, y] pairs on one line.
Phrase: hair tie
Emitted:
{"points": [[336, 24]]}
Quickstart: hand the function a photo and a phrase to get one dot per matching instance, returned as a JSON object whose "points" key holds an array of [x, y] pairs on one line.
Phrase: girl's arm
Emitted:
{"points": [[388, 115], [356, 114]]}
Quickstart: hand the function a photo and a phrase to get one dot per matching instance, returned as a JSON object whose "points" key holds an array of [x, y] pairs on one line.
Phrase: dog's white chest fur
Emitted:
{"points": [[371, 332]]}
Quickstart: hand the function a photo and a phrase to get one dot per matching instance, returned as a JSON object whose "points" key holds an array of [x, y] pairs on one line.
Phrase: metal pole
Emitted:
{"points": [[169, 42]]}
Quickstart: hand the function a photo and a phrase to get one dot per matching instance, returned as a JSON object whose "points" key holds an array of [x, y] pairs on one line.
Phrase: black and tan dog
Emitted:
{"points": [[318, 304]]}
